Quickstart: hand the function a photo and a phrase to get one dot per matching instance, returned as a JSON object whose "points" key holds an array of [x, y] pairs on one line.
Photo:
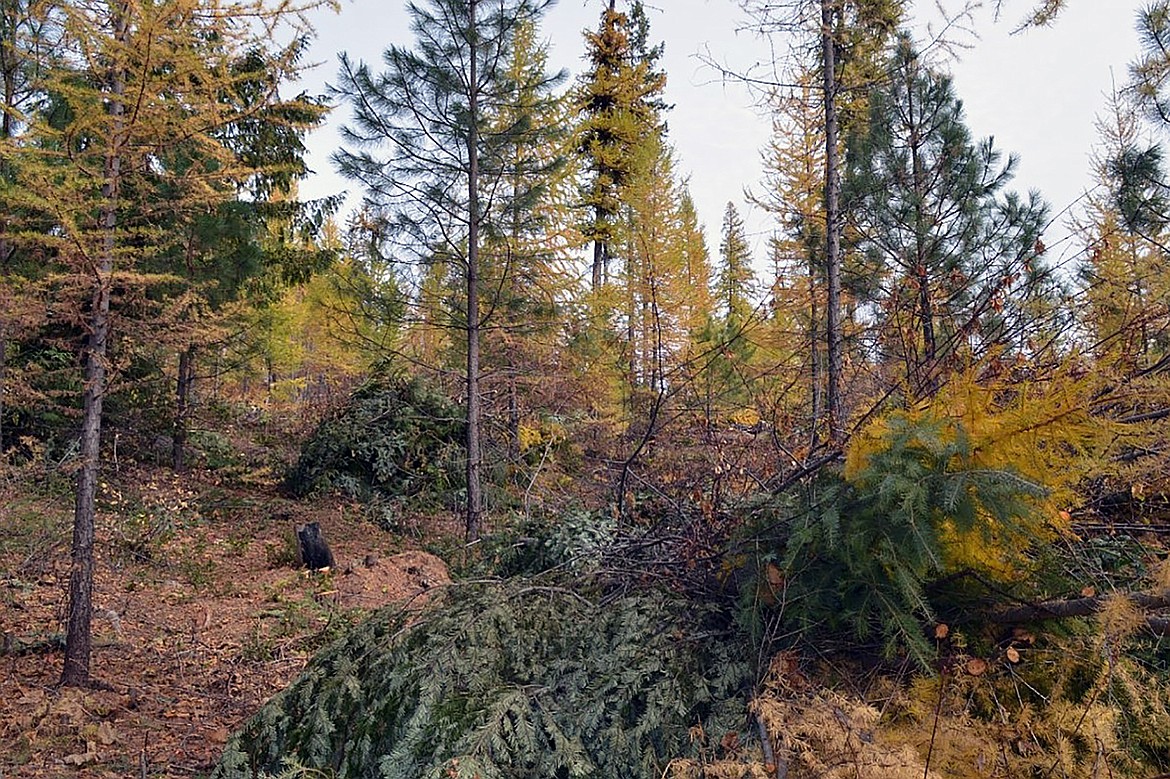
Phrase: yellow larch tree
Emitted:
{"points": [[145, 94]]}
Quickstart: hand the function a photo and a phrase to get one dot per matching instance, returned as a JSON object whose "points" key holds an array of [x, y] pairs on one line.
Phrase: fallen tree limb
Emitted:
{"points": [[1086, 607], [777, 766]]}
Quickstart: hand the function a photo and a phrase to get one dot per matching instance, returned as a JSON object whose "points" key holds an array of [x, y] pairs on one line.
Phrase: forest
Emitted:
{"points": [[503, 467]]}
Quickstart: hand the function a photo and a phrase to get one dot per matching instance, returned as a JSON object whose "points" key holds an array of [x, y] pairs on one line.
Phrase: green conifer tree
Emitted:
{"points": [[249, 247], [528, 253], [792, 191], [697, 305], [848, 37], [619, 102], [24, 28], [735, 279], [138, 117], [951, 262], [1126, 309], [423, 143]]}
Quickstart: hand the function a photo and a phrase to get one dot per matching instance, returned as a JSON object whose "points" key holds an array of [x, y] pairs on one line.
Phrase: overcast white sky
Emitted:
{"points": [[1037, 92]]}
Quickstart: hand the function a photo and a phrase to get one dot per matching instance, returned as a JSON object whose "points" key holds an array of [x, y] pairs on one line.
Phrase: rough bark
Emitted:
{"points": [[814, 343], [183, 389], [1078, 607], [513, 412], [3, 378], [924, 367], [631, 320], [926, 383], [834, 334], [777, 762], [598, 263], [78, 639], [474, 488], [8, 67]]}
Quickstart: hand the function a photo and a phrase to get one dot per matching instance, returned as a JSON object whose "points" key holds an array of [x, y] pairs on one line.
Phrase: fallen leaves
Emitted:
{"points": [[180, 678], [90, 755]]}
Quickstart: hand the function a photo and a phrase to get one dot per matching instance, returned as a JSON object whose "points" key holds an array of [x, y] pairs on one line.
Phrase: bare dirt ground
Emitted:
{"points": [[200, 615]]}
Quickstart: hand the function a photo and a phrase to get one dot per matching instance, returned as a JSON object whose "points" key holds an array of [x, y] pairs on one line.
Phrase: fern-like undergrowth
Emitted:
{"points": [[502, 680]]}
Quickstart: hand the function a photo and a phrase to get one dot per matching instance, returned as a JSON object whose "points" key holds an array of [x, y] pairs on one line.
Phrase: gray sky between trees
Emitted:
{"points": [[1038, 92]]}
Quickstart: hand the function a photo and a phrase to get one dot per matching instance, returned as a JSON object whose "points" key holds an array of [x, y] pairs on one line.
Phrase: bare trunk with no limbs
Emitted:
{"points": [[830, 86], [183, 388], [474, 490]]}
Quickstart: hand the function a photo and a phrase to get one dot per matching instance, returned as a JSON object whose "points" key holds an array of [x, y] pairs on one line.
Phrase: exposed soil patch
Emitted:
{"points": [[200, 615]]}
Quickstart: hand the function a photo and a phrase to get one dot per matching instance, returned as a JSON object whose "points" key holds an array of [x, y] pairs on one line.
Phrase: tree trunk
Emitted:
{"points": [[182, 407], [9, 67], [513, 412], [3, 379], [834, 332], [631, 322], [598, 263], [77, 638], [78, 643], [1086, 607], [474, 488], [511, 358], [815, 357], [924, 368], [926, 372]]}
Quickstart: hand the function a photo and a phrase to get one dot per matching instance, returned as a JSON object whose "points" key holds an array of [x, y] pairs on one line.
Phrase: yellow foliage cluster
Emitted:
{"points": [[538, 435], [1071, 740], [529, 437], [969, 549], [728, 768], [288, 390], [1159, 576], [744, 417], [1073, 708], [1043, 433], [832, 736], [816, 732], [1064, 711], [1119, 617]]}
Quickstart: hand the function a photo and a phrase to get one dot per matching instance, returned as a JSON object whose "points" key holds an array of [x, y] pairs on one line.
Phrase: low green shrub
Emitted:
{"points": [[854, 558], [572, 540], [395, 439]]}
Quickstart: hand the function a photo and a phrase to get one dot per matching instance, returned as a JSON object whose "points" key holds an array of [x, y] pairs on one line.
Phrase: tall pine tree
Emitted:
{"points": [[735, 280], [427, 144], [951, 260], [619, 103], [844, 40]]}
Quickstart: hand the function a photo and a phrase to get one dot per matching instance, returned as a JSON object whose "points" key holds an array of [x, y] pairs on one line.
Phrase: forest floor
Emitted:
{"points": [[201, 613]]}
